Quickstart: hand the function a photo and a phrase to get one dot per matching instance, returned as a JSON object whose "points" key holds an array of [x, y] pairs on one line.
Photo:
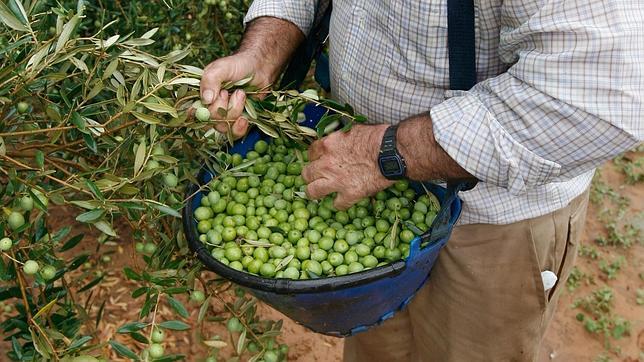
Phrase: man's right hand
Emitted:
{"points": [[226, 107], [266, 47]]}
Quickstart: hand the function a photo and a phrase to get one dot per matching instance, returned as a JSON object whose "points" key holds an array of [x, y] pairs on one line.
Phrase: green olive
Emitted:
{"points": [[156, 350], [48, 272], [170, 180], [22, 107], [15, 220], [264, 206], [197, 296], [234, 325], [157, 335], [202, 114], [26, 203], [30, 267], [149, 248], [5, 244]]}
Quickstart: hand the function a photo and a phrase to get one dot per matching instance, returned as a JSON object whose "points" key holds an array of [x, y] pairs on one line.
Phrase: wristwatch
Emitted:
{"points": [[391, 162]]}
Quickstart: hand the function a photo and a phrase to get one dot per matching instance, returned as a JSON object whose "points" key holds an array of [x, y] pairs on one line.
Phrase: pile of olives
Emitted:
{"points": [[255, 217]]}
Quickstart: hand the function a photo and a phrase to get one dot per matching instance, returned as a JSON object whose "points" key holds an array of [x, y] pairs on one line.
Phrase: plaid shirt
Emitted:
{"points": [[560, 85]]}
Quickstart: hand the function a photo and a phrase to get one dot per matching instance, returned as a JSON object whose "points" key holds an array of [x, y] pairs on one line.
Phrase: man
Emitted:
{"points": [[559, 92]]}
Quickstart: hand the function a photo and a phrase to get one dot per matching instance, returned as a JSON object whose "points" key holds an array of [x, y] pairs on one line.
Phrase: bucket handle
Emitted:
{"points": [[440, 227]]}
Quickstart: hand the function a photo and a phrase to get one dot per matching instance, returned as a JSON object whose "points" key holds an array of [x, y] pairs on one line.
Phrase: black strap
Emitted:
{"points": [[310, 49], [389, 139], [460, 42], [462, 59]]}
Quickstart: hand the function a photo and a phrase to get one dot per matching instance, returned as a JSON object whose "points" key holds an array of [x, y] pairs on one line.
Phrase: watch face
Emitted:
{"points": [[390, 165]]}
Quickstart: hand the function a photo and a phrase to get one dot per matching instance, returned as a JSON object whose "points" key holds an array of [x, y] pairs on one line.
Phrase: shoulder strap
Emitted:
{"points": [[462, 60], [311, 48], [461, 46]]}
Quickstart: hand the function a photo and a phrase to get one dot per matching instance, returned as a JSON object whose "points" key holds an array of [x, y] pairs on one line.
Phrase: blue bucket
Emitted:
{"points": [[342, 305]]}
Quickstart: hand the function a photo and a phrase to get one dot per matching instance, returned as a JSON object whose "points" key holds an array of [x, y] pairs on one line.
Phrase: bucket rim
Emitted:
{"points": [[281, 285]]}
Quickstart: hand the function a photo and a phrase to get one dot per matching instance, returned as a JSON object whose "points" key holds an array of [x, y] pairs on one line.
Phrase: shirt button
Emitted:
{"points": [[358, 12]]}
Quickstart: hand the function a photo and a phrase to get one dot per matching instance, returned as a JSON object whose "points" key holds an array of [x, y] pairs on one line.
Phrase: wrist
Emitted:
{"points": [[375, 142], [269, 43]]}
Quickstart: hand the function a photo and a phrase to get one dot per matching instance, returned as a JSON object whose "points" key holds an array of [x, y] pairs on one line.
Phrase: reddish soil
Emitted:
{"points": [[566, 339]]}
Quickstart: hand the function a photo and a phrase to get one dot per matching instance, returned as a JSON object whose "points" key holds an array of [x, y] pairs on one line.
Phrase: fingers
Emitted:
{"points": [[319, 188], [313, 171], [240, 127], [228, 107], [228, 110], [220, 103], [342, 201], [236, 104]]}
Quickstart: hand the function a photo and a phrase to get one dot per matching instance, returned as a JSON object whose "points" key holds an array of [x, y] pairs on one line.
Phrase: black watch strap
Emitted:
{"points": [[389, 140]]}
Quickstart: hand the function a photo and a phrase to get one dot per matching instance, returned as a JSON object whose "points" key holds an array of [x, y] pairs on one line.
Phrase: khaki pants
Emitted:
{"points": [[485, 299]]}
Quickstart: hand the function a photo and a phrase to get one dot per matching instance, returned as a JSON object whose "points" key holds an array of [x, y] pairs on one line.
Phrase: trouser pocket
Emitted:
{"points": [[576, 223], [555, 238]]}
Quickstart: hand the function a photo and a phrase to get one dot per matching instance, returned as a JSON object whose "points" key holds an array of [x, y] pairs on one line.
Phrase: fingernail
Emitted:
{"points": [[207, 96]]}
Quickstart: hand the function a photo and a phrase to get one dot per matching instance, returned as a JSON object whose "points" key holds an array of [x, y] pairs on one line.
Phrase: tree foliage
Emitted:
{"points": [[93, 116]]}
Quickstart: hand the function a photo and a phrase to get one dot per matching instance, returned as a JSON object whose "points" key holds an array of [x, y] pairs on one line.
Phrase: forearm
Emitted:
{"points": [[347, 162], [425, 158], [272, 42]]}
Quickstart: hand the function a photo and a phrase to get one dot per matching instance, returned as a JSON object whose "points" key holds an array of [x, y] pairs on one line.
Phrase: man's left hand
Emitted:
{"points": [[346, 163]]}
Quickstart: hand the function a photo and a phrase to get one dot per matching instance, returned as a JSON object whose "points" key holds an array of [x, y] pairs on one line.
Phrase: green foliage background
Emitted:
{"points": [[107, 85]]}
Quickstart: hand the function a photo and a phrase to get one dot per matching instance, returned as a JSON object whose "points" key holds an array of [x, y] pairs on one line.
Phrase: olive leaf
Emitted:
{"points": [[284, 262], [174, 325], [178, 307], [105, 228], [391, 240], [10, 20], [68, 28], [215, 344], [139, 159], [90, 216], [123, 351]]}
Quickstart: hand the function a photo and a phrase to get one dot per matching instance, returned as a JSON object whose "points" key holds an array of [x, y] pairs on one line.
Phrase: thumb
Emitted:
{"points": [[213, 76]]}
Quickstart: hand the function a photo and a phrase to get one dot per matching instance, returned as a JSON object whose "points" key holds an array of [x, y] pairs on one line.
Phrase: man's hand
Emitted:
{"points": [[265, 49], [346, 163], [228, 107]]}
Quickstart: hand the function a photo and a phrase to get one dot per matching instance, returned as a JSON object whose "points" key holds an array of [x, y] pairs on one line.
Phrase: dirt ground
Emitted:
{"points": [[566, 339]]}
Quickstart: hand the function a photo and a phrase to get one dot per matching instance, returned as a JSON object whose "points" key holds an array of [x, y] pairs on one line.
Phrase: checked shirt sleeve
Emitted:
{"points": [[571, 100], [299, 12]]}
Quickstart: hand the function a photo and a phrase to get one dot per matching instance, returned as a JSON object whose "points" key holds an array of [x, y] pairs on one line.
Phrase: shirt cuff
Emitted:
{"points": [[473, 137], [299, 12]]}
